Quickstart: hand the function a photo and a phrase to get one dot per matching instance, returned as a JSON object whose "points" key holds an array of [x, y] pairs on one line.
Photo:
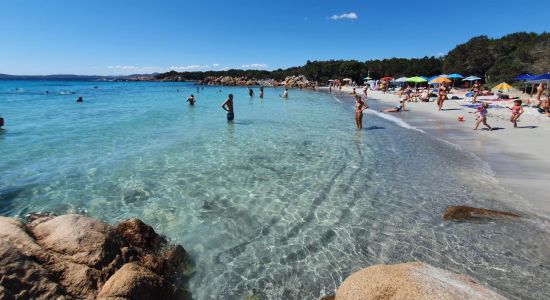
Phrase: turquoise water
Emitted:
{"points": [[284, 203]]}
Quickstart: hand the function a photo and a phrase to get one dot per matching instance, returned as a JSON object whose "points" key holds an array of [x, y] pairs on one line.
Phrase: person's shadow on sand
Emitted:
{"points": [[374, 128], [528, 127], [450, 109]]}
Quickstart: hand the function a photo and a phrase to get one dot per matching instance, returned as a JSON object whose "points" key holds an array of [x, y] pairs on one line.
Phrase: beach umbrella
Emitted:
{"points": [[387, 78], [401, 79], [524, 78], [440, 80], [471, 78], [503, 87], [432, 78], [367, 78], [454, 76], [417, 79]]}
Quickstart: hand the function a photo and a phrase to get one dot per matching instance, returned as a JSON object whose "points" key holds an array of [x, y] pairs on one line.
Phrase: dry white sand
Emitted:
{"points": [[520, 157]]}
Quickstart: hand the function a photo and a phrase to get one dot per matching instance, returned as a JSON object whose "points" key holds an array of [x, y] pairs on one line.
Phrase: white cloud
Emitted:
{"points": [[254, 66], [215, 65], [121, 69], [118, 67], [351, 16], [190, 68]]}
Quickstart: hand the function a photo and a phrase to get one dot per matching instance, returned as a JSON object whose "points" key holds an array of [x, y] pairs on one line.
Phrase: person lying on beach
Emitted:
{"points": [[191, 100], [395, 109], [359, 107], [517, 111], [482, 110], [544, 107], [228, 107]]}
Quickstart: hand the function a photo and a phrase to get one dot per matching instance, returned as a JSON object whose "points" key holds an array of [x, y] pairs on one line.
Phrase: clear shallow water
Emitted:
{"points": [[284, 203]]}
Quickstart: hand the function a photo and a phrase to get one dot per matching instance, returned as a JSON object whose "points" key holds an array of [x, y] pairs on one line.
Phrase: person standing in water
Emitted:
{"points": [[228, 107], [359, 107], [191, 100], [250, 92], [261, 92], [285, 93]]}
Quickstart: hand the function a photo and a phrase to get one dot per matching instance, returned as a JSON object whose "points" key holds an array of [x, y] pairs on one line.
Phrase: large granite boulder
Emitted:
{"points": [[411, 281], [74, 257]]}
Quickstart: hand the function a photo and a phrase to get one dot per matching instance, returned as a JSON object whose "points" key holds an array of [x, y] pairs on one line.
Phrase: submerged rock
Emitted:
{"points": [[411, 281], [74, 256], [458, 213]]}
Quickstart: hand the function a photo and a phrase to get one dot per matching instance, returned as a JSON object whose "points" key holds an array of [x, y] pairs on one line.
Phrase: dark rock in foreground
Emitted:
{"points": [[77, 257], [459, 213]]}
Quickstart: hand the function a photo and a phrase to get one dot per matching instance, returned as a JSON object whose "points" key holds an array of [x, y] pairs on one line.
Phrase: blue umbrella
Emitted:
{"points": [[454, 76], [524, 77], [541, 77]]}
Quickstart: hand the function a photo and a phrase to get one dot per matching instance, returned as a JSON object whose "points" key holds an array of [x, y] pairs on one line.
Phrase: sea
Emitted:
{"points": [[284, 202]]}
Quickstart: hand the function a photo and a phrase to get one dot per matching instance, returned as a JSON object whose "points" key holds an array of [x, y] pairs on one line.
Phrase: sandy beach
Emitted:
{"points": [[518, 156]]}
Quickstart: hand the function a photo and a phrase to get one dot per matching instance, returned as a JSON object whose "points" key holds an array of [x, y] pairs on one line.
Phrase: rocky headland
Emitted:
{"points": [[299, 81], [77, 257]]}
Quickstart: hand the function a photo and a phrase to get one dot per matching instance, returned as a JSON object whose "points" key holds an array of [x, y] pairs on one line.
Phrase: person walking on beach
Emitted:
{"points": [[359, 107], [441, 95], [482, 110], [517, 111], [228, 107], [191, 100], [476, 90]]}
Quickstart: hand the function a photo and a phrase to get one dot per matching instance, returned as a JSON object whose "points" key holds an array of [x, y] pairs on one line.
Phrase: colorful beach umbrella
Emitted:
{"points": [[454, 76], [417, 79], [440, 80], [503, 87], [367, 78], [387, 78], [401, 79], [524, 77]]}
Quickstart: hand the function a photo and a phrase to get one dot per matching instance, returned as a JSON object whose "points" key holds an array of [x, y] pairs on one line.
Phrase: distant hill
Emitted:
{"points": [[495, 60]]}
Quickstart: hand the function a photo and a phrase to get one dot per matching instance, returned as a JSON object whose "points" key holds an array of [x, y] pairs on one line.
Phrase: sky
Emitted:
{"points": [[120, 37]]}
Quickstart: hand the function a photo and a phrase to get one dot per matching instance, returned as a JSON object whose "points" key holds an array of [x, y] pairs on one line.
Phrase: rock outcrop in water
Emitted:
{"points": [[77, 257], [460, 213], [411, 281]]}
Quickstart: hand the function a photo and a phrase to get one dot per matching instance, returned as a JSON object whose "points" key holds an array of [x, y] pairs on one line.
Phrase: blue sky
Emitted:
{"points": [[133, 36]]}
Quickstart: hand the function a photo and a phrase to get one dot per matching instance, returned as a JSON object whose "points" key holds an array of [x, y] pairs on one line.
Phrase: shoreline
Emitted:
{"points": [[515, 155]]}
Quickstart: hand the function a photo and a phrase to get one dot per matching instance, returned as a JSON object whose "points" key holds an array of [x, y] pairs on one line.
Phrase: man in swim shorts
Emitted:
{"points": [[228, 107]]}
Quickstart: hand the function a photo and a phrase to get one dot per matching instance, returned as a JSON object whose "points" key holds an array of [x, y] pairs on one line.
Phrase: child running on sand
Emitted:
{"points": [[517, 110], [482, 110]]}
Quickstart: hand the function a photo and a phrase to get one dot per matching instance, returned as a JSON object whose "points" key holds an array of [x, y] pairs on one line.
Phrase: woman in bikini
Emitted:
{"points": [[441, 95], [476, 89], [359, 107]]}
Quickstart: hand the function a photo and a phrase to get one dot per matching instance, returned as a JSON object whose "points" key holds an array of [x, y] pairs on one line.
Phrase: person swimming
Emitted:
{"points": [[191, 100], [80, 99], [228, 107]]}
